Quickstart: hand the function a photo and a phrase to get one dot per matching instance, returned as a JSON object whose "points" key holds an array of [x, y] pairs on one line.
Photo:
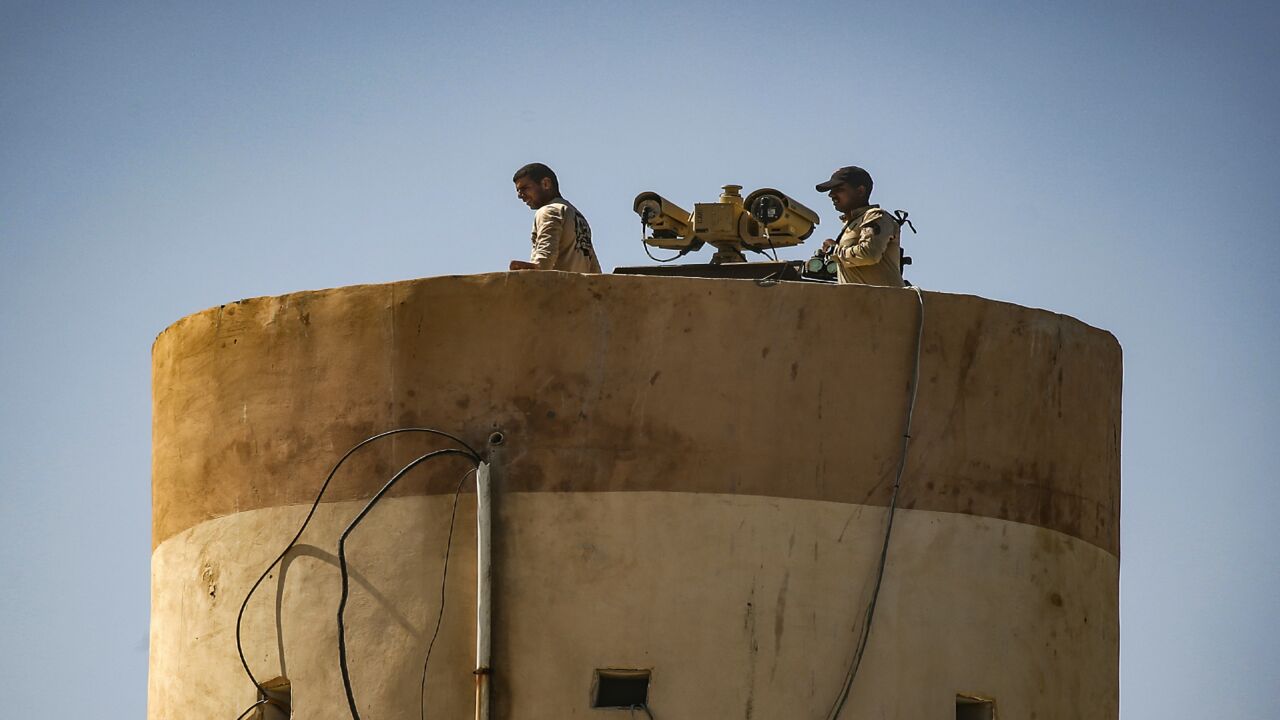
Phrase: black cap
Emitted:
{"points": [[853, 175]]}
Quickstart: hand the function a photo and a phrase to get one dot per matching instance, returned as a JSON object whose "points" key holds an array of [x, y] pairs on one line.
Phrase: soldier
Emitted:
{"points": [[561, 236], [867, 251]]}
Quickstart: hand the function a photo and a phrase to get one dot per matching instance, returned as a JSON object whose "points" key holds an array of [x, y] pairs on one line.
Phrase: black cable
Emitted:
{"points": [[658, 259], [642, 706], [305, 522], [253, 707], [644, 244], [342, 562], [444, 576], [762, 248], [769, 238], [774, 278], [865, 634]]}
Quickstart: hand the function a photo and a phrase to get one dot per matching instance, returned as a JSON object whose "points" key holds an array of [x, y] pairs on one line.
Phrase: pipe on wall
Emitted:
{"points": [[484, 578]]}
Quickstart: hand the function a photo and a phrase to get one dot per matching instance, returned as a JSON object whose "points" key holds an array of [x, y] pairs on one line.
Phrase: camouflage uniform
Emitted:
{"points": [[562, 239], [868, 250]]}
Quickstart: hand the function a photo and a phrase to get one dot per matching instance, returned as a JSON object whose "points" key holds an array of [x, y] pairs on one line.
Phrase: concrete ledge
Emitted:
{"points": [[625, 383]]}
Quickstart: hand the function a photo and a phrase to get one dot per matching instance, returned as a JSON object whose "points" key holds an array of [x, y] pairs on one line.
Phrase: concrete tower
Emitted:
{"points": [[692, 485]]}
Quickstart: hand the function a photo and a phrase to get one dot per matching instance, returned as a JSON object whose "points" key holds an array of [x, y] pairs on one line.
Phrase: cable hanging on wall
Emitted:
{"points": [[342, 561], [444, 578], [469, 452], [865, 634]]}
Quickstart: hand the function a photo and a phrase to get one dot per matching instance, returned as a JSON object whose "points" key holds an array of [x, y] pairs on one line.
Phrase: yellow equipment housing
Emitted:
{"points": [[789, 222], [671, 224], [767, 219]]}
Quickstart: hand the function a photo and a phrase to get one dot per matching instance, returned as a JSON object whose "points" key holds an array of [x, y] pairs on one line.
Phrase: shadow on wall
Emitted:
{"points": [[331, 559]]}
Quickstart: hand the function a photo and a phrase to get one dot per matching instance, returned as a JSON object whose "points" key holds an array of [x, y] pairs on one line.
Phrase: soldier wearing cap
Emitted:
{"points": [[868, 250], [561, 236]]}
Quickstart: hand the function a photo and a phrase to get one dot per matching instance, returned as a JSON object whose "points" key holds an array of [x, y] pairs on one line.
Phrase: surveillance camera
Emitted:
{"points": [[785, 217], [669, 222]]}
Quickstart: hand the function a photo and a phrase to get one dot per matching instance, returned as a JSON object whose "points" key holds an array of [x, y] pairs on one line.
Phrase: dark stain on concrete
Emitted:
{"points": [[779, 619]]}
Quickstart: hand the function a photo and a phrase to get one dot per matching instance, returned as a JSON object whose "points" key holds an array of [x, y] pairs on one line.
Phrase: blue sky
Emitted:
{"points": [[1109, 161]]}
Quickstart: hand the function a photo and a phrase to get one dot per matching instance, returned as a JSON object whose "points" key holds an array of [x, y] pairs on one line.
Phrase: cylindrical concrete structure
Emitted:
{"points": [[693, 482]]}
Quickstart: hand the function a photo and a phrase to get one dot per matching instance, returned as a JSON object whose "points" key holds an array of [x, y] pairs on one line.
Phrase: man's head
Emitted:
{"points": [[849, 188], [536, 185]]}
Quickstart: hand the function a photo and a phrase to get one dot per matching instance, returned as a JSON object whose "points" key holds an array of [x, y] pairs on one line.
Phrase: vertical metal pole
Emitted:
{"points": [[484, 578]]}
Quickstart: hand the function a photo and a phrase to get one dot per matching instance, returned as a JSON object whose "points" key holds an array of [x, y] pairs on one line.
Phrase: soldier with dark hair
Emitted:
{"points": [[561, 236], [868, 250]]}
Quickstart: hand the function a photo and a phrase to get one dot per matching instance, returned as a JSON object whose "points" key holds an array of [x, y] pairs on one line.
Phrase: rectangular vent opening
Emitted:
{"points": [[973, 707], [621, 689]]}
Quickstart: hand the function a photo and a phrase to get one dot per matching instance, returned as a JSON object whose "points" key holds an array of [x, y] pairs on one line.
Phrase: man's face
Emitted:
{"points": [[847, 197], [535, 193]]}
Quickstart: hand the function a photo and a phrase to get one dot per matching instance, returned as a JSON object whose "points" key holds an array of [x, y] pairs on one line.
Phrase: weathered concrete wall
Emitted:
{"points": [[693, 481]]}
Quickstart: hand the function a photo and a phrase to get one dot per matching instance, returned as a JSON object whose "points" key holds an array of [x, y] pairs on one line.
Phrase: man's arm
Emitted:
{"points": [[548, 222], [873, 238]]}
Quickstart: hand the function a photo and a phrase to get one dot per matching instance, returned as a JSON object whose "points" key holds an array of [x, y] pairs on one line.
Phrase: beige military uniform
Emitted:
{"points": [[869, 251], [562, 239]]}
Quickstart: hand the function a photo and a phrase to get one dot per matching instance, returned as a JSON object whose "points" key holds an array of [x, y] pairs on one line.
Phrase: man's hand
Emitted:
{"points": [[828, 245], [522, 265]]}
